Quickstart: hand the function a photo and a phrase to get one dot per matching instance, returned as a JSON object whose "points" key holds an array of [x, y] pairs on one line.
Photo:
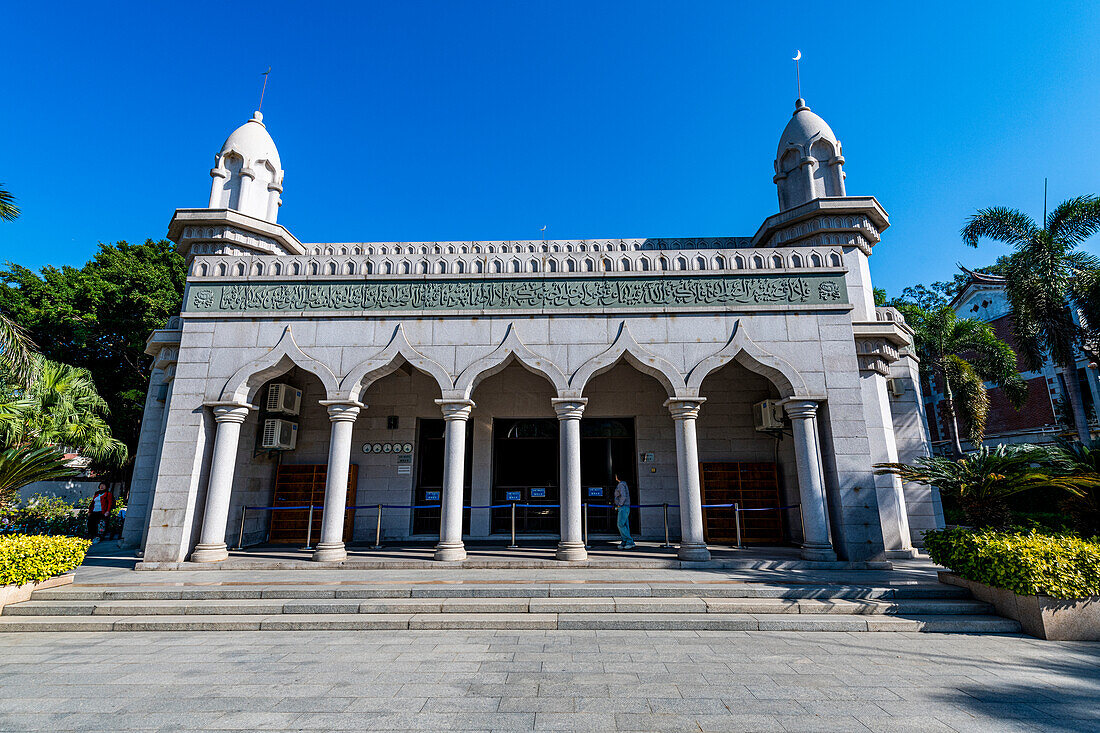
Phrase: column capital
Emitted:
{"points": [[342, 410], [231, 412], [800, 409], [684, 408], [455, 409], [569, 408]]}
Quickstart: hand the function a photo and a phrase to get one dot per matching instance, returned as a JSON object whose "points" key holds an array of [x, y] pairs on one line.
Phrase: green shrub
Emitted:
{"points": [[1026, 562], [30, 558]]}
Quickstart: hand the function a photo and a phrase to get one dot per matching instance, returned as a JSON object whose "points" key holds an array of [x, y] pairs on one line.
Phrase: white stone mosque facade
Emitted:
{"points": [[518, 378]]}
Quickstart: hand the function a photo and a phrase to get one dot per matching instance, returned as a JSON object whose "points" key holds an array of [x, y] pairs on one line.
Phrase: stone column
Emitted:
{"points": [[456, 413], [571, 545], [342, 414], [211, 546], [811, 489], [693, 545]]}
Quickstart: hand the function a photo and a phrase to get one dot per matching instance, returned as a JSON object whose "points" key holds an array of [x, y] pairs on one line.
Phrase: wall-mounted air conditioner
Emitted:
{"points": [[280, 434], [284, 399], [896, 387], [768, 415]]}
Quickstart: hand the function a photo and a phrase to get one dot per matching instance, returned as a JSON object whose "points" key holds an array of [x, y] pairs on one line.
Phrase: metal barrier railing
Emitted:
{"points": [[737, 511]]}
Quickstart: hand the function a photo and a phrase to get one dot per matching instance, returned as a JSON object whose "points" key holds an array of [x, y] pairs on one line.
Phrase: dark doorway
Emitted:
{"points": [[526, 471], [429, 477], [607, 448]]}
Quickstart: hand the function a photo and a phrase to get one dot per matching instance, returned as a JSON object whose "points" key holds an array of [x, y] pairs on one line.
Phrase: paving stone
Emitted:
{"points": [[660, 605], [811, 622], [657, 621], [401, 605], [572, 605], [56, 623], [484, 621], [373, 592], [335, 622], [750, 605], [485, 605], [189, 623]]}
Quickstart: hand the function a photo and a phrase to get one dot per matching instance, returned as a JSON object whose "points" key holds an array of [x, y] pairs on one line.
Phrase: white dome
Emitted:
{"points": [[808, 163], [247, 173], [803, 129], [253, 143]]}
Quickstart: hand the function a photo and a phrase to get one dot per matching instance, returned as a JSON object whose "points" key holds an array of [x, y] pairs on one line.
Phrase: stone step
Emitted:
{"points": [[488, 590], [514, 606], [570, 621]]}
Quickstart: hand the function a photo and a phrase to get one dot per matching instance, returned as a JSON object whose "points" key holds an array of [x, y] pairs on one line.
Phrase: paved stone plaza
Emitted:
{"points": [[501, 680]]}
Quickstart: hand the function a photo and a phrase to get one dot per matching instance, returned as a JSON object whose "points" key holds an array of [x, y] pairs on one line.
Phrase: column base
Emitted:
{"points": [[330, 552], [571, 551], [906, 554], [693, 552], [450, 552], [214, 552], [819, 553]]}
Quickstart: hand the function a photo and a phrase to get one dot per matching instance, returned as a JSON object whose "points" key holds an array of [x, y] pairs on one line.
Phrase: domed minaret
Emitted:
{"points": [[245, 195], [247, 173], [808, 164]]}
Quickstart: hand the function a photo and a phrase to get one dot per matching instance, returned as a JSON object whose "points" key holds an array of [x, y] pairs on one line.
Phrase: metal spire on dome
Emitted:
{"points": [[798, 76], [265, 89]]}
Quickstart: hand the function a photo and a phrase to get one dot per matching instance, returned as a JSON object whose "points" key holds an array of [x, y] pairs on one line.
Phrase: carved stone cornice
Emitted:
{"points": [[226, 231], [853, 221]]}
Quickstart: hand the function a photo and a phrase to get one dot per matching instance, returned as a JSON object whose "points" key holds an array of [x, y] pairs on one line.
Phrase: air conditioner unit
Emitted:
{"points": [[283, 398], [896, 386], [280, 434], [768, 415]]}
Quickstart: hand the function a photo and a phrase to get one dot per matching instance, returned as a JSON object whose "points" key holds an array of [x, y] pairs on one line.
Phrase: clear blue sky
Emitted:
{"points": [[419, 120]]}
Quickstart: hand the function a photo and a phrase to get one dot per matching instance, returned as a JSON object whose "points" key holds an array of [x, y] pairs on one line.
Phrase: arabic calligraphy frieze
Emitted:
{"points": [[520, 294]]}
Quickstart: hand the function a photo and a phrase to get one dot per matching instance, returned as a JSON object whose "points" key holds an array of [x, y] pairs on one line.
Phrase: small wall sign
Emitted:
{"points": [[431, 496], [404, 470], [595, 491], [513, 496], [538, 493]]}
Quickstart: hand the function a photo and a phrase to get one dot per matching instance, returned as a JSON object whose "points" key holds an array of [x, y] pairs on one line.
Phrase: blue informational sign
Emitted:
{"points": [[431, 496], [595, 491], [538, 493], [513, 496]]}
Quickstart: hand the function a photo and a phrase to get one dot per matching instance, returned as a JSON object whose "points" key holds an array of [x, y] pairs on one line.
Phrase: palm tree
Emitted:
{"points": [[61, 407], [24, 465], [1042, 276], [8, 210], [963, 354], [982, 481], [16, 348]]}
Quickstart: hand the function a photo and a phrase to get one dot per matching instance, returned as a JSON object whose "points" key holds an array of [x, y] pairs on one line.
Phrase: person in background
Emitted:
{"points": [[622, 507], [102, 504]]}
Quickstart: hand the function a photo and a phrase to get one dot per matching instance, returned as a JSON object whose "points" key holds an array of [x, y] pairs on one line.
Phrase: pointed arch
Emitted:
{"points": [[282, 357], [399, 351], [511, 349], [625, 347], [747, 353]]}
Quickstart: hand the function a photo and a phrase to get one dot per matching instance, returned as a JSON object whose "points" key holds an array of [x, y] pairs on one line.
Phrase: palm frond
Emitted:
{"points": [[24, 465], [1000, 223], [8, 210], [17, 351], [1075, 220]]}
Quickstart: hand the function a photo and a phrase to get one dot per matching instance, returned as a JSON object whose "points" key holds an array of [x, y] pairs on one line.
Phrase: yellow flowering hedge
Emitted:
{"points": [[30, 558], [1025, 562]]}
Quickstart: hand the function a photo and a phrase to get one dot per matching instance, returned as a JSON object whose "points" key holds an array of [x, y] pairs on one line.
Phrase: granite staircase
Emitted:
{"points": [[717, 606]]}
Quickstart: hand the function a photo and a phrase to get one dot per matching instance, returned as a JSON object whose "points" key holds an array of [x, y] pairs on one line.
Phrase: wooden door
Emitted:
{"points": [[302, 485], [751, 486]]}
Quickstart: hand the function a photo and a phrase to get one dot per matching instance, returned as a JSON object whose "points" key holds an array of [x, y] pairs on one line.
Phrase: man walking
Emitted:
{"points": [[622, 507], [100, 508]]}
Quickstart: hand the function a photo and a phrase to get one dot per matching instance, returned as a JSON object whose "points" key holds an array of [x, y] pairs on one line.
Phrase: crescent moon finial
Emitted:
{"points": [[797, 55]]}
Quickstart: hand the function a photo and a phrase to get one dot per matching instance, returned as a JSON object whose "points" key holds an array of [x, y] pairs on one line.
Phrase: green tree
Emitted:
{"points": [[983, 480], [99, 317], [1041, 276], [16, 348], [963, 354], [60, 408], [24, 465]]}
